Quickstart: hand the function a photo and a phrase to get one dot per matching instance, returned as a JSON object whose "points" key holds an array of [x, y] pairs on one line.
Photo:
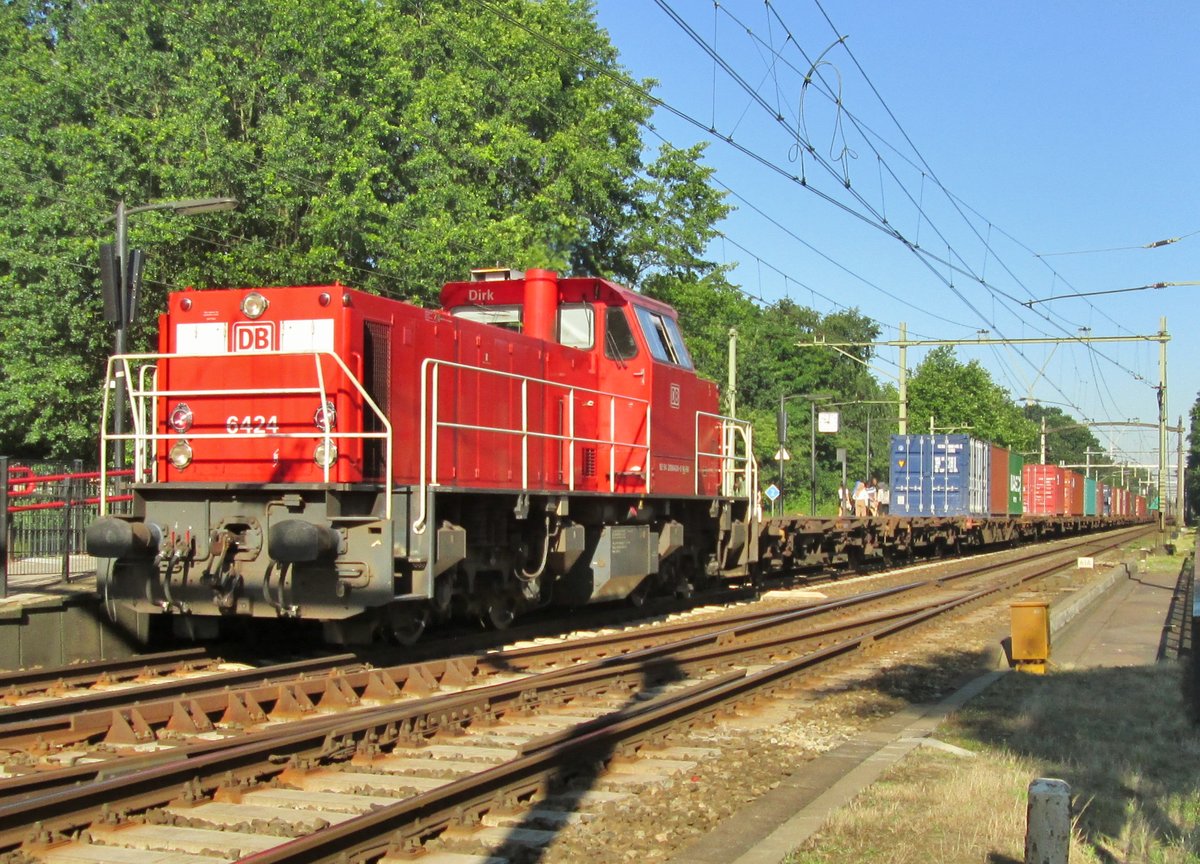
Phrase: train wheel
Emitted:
{"points": [[497, 610], [407, 622]]}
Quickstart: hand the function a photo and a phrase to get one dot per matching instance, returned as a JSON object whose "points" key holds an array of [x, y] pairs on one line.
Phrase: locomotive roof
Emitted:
{"points": [[568, 286]]}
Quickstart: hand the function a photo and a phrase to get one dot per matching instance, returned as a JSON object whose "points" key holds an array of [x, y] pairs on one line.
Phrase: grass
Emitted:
{"points": [[1120, 737]]}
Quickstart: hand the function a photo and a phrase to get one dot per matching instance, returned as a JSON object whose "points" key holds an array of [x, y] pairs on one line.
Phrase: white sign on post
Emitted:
{"points": [[827, 421]]}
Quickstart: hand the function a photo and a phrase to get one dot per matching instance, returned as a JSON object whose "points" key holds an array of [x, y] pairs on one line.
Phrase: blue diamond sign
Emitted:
{"points": [[772, 492]]}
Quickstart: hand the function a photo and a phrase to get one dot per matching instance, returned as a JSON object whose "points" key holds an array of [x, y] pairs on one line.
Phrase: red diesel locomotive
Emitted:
{"points": [[326, 454]]}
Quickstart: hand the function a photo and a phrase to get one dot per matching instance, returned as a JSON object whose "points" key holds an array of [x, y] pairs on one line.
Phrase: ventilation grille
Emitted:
{"points": [[377, 379]]}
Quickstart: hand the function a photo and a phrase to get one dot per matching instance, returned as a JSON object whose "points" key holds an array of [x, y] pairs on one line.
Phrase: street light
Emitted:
{"points": [[122, 280], [813, 399]]}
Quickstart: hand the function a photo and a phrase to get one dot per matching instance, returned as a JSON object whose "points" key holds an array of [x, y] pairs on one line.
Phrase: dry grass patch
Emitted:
{"points": [[1120, 737], [934, 807]]}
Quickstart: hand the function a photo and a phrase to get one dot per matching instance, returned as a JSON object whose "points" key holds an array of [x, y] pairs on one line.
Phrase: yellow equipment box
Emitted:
{"points": [[1031, 635]]}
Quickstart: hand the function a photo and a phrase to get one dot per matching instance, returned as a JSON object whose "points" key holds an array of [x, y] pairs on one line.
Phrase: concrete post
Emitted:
{"points": [[1048, 823]]}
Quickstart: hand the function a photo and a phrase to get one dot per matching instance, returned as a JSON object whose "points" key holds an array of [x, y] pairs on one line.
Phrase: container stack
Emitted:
{"points": [[957, 475]]}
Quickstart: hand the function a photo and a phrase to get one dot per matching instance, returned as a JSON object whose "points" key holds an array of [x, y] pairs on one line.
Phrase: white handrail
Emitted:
{"points": [[734, 462], [139, 457], [431, 425], [140, 396]]}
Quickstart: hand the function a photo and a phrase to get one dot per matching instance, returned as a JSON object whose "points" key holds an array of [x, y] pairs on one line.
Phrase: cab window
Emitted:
{"points": [[508, 317], [619, 343], [663, 337], [576, 326]]}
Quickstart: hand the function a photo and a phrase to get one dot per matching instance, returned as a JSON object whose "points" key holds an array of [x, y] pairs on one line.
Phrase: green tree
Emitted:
{"points": [[390, 146], [772, 368], [1192, 472], [1068, 441], [965, 398]]}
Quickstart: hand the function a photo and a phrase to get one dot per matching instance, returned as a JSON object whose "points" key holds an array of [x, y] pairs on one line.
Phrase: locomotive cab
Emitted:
{"points": [[636, 350]]}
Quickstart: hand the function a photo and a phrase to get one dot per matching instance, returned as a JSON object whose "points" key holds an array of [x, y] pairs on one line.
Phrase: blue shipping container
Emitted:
{"points": [[939, 475]]}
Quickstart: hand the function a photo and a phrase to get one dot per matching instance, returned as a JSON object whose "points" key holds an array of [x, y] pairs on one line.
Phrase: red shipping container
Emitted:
{"points": [[1044, 490], [998, 481], [1140, 507]]}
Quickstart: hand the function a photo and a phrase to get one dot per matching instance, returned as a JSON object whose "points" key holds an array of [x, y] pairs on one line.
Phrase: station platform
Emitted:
{"points": [[1130, 617], [46, 621], [1132, 624]]}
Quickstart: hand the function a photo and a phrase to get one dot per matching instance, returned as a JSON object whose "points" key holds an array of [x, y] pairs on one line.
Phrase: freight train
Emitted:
{"points": [[949, 494], [325, 454]]}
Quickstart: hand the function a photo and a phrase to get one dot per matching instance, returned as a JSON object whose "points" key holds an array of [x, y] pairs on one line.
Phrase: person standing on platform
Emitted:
{"points": [[845, 505], [872, 497], [860, 499]]}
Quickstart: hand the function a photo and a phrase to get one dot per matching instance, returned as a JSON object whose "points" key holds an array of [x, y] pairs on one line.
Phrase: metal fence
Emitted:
{"points": [[1189, 649], [45, 508]]}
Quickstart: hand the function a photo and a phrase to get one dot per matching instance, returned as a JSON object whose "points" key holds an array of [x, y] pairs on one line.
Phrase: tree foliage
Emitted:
{"points": [[951, 395], [392, 146], [1068, 441], [1192, 472]]}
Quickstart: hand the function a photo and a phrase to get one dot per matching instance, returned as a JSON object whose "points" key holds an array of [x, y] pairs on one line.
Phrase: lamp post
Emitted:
{"points": [[122, 283], [813, 399]]}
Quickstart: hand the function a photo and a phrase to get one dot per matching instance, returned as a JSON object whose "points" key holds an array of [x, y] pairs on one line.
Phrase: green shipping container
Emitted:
{"points": [[1016, 501], [1089, 497]]}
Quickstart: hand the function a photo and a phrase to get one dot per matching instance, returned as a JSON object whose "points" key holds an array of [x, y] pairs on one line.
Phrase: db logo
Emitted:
{"points": [[674, 395], [254, 336]]}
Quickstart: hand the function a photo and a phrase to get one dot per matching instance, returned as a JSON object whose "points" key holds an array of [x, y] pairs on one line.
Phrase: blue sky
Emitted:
{"points": [[1052, 127]]}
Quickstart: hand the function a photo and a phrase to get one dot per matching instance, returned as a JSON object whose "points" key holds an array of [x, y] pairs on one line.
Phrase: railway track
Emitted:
{"points": [[388, 760]]}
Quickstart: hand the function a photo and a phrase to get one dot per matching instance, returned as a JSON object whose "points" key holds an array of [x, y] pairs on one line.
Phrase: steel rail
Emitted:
{"points": [[93, 724], [74, 673], [64, 809], [65, 712], [174, 774], [375, 832], [969, 568], [89, 719]]}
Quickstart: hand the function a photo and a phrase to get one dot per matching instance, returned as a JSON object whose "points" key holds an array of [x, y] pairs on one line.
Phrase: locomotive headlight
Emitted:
{"points": [[181, 418], [325, 454], [181, 455], [254, 305], [325, 414]]}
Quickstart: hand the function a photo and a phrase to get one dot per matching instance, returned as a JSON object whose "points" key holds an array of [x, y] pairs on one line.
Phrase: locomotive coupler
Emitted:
{"points": [[294, 541], [110, 537]]}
